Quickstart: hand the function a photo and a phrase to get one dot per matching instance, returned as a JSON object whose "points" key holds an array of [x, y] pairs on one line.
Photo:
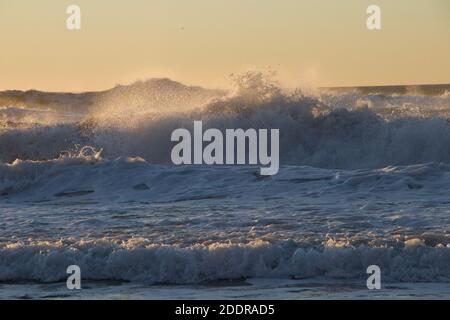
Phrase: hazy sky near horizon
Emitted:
{"points": [[321, 42]]}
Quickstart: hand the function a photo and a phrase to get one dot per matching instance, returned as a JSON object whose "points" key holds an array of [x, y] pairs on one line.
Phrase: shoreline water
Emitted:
{"points": [[250, 289]]}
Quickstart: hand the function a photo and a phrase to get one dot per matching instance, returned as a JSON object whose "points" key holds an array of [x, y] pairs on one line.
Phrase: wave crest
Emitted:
{"points": [[322, 129]]}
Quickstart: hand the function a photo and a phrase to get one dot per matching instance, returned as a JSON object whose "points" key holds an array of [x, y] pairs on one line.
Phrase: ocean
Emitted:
{"points": [[86, 179]]}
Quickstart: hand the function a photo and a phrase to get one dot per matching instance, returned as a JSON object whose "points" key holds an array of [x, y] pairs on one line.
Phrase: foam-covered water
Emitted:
{"points": [[364, 180]]}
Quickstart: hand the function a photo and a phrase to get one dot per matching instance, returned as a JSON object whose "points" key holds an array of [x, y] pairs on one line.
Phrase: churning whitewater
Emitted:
{"points": [[86, 179]]}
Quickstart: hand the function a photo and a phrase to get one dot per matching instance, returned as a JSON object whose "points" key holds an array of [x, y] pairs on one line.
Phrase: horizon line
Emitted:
{"points": [[343, 87]]}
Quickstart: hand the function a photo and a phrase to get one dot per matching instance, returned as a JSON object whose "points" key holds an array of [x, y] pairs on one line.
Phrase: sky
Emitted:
{"points": [[201, 42]]}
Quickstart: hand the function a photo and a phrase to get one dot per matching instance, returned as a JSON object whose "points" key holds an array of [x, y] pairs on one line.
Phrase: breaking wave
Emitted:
{"points": [[137, 260], [321, 129]]}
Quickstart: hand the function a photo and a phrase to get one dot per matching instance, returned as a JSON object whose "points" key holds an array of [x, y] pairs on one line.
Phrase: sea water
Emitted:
{"points": [[364, 180]]}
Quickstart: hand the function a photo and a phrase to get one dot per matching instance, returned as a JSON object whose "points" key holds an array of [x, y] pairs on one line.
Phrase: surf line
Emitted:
{"points": [[235, 147]]}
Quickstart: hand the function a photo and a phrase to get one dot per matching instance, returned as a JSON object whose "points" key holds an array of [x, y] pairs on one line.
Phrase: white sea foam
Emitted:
{"points": [[139, 261]]}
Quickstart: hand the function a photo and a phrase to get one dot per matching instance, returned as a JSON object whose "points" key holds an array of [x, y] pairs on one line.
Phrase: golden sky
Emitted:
{"points": [[321, 42]]}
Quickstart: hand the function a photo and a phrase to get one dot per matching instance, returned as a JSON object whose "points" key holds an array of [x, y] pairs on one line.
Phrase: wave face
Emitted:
{"points": [[86, 179]]}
